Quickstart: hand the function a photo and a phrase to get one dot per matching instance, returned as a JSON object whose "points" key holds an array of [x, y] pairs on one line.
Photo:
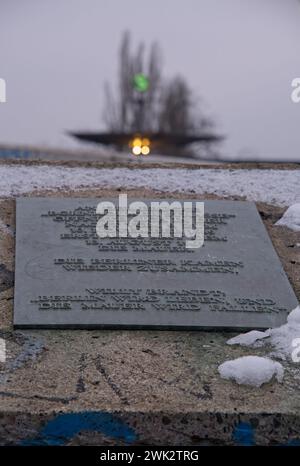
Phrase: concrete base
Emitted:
{"points": [[137, 387]]}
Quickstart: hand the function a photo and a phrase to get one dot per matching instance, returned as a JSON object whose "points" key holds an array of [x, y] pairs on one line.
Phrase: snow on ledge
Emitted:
{"points": [[291, 218], [279, 187], [251, 370], [249, 338], [280, 338], [255, 370]]}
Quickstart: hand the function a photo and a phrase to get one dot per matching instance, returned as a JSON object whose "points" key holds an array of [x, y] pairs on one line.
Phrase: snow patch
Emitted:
{"points": [[249, 338], [291, 218], [279, 187], [251, 370], [280, 338]]}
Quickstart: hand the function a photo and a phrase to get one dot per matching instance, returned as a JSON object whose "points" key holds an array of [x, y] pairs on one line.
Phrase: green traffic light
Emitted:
{"points": [[141, 82]]}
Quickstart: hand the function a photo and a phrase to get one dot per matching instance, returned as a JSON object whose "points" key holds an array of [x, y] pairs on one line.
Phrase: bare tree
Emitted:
{"points": [[131, 110], [166, 107], [110, 114], [152, 99], [175, 105]]}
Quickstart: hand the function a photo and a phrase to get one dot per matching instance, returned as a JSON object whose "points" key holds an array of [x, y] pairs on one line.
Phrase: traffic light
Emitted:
{"points": [[141, 82]]}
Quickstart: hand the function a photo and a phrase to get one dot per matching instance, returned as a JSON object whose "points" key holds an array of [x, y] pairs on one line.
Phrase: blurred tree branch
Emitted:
{"points": [[166, 107]]}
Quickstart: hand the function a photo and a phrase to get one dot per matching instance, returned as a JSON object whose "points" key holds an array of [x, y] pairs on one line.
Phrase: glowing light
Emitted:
{"points": [[141, 82], [136, 150], [137, 142], [145, 142], [140, 145], [145, 150]]}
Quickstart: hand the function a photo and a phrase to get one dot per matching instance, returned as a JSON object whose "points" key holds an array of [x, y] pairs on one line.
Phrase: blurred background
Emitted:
{"points": [[221, 69]]}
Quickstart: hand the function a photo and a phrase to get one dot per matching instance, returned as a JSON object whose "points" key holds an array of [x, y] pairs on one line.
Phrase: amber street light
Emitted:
{"points": [[140, 146]]}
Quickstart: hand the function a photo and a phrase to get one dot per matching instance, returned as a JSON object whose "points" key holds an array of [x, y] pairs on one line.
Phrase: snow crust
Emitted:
{"points": [[251, 370], [256, 370], [279, 338], [279, 187], [291, 218]]}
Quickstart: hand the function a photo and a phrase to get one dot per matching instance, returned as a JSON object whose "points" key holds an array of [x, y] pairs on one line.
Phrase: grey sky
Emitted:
{"points": [[239, 55]]}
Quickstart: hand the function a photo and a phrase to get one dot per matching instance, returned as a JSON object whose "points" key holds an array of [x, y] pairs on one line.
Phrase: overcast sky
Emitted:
{"points": [[239, 55]]}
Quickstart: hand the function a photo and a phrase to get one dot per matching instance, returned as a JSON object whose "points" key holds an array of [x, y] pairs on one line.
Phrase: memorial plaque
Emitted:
{"points": [[67, 277]]}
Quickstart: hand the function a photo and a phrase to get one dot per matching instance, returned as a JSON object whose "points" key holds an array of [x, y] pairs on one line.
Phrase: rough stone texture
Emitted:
{"points": [[140, 387]]}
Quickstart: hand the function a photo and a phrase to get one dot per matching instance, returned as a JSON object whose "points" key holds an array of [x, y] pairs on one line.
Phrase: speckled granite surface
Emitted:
{"points": [[137, 387]]}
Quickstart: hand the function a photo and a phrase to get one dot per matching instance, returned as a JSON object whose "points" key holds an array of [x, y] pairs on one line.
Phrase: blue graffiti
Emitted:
{"points": [[243, 434], [292, 443], [64, 427], [18, 153]]}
